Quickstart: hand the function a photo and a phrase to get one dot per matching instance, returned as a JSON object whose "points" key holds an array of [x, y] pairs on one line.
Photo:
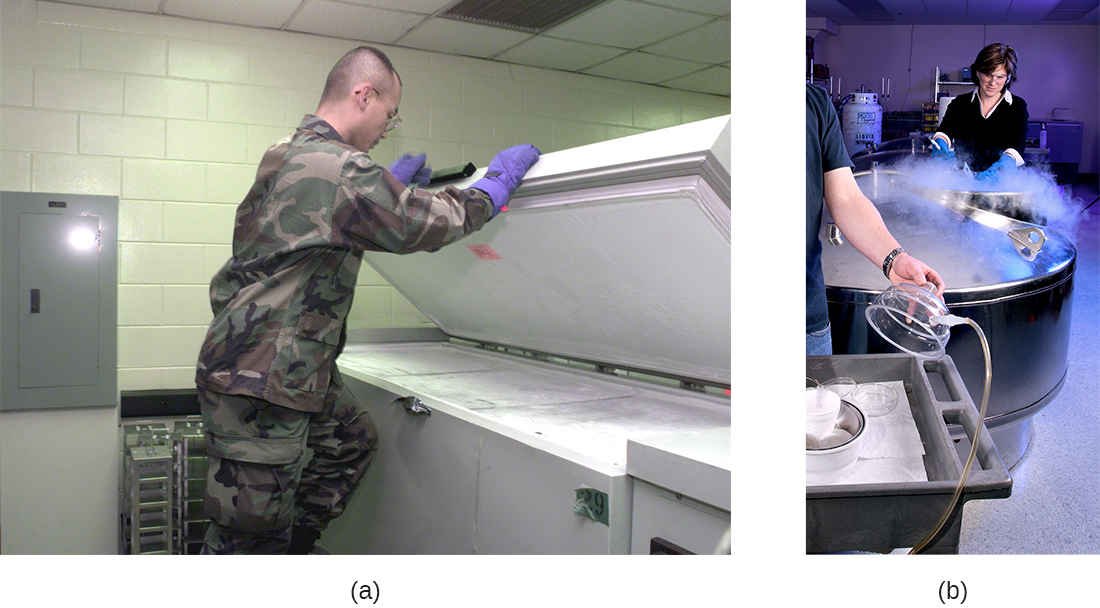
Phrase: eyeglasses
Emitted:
{"points": [[998, 78], [394, 119]]}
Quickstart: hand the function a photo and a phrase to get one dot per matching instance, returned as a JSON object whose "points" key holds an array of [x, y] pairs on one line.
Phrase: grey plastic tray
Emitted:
{"points": [[882, 517]]}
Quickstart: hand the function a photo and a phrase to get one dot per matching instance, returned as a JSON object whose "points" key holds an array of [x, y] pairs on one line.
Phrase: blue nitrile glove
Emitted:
{"points": [[941, 151], [1006, 165], [505, 173], [412, 170]]}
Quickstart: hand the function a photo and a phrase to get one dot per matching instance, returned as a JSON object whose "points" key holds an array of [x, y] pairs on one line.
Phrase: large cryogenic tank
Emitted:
{"points": [[861, 122], [1021, 298]]}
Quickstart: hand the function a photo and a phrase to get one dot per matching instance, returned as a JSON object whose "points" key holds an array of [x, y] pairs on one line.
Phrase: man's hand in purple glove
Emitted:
{"points": [[412, 170], [505, 173]]}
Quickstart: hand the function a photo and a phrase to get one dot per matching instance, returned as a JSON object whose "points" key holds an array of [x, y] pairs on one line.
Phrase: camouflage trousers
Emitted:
{"points": [[261, 479]]}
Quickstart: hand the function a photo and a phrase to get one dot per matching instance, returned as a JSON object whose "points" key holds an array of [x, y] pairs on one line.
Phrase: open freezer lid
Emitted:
{"points": [[616, 253]]}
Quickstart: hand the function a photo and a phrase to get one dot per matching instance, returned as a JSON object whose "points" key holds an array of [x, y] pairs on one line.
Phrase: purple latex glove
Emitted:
{"points": [[412, 170], [505, 173]]}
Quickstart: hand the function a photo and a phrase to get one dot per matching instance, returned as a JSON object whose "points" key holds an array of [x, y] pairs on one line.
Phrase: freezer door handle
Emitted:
{"points": [[413, 406]]}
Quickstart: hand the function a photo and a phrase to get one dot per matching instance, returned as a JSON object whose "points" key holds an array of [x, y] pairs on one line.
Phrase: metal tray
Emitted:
{"points": [[886, 516]]}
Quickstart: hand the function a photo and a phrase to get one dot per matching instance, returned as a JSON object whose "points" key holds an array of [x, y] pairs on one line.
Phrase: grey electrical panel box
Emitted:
{"points": [[58, 300]]}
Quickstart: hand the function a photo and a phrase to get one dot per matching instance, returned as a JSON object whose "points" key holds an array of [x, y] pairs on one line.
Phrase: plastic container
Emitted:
{"points": [[874, 399], [840, 386], [829, 464], [905, 315], [822, 407]]}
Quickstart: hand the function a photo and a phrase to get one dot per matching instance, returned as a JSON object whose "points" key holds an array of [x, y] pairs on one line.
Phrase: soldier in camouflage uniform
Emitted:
{"points": [[267, 377]]}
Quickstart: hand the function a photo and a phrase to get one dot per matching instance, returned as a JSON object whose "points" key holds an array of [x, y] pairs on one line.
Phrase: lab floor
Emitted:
{"points": [[1054, 507]]}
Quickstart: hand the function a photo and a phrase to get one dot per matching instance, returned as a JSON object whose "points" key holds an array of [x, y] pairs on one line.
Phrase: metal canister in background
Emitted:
{"points": [[861, 121]]}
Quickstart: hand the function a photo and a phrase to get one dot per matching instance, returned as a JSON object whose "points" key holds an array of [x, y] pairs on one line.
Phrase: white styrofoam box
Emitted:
{"points": [[99, 91], [140, 305], [163, 180], [205, 60], [18, 89], [248, 104], [160, 264], [216, 142], [62, 127], [140, 221], [40, 44], [76, 174], [131, 136], [198, 223], [165, 97], [123, 52]]}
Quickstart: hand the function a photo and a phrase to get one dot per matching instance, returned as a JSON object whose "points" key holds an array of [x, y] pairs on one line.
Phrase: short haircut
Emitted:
{"points": [[361, 64], [990, 57]]}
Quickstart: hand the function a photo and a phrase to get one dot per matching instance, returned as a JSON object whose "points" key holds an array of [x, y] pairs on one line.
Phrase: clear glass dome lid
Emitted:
{"points": [[908, 317]]}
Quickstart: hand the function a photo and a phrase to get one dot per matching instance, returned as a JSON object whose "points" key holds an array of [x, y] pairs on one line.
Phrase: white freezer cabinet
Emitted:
{"points": [[490, 453]]}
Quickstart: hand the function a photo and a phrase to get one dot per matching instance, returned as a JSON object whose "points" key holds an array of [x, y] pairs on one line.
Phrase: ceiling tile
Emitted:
{"points": [[424, 7], [461, 38], [710, 7], [354, 22], [629, 25], [144, 6], [714, 80], [708, 44], [643, 67], [559, 54], [257, 13]]}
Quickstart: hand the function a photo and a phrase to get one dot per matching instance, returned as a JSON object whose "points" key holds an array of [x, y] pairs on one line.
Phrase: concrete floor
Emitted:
{"points": [[1055, 502]]}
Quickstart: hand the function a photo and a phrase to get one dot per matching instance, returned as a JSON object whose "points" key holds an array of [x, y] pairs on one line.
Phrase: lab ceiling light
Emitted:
{"points": [[534, 16]]}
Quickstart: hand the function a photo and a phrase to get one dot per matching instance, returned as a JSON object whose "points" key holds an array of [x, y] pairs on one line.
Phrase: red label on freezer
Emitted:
{"points": [[484, 252]]}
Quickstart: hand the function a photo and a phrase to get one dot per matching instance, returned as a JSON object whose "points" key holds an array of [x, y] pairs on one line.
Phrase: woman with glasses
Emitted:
{"points": [[986, 128]]}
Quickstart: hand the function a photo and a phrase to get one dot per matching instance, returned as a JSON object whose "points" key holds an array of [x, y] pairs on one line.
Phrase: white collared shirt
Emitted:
{"points": [[1007, 98]]}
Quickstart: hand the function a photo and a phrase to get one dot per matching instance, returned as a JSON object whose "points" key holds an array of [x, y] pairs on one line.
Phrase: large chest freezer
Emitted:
{"points": [[592, 316]]}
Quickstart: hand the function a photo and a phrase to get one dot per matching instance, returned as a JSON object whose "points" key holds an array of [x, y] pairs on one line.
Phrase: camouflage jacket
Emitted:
{"points": [[281, 301]]}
